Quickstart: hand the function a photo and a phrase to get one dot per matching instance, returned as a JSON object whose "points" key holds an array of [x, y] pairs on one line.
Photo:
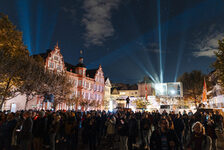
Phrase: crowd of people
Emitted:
{"points": [[67, 130]]}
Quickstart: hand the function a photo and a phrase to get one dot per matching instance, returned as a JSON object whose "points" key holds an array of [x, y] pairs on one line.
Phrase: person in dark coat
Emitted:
{"points": [[179, 127], [70, 131], [26, 132], [92, 132], [7, 130], [132, 131], [210, 131], [39, 129], [122, 126], [163, 138], [145, 129]]}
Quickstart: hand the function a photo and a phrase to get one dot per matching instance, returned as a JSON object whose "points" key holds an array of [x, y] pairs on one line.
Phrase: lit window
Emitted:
{"points": [[56, 58], [97, 87], [87, 85], [75, 83], [58, 67], [84, 95], [51, 65]]}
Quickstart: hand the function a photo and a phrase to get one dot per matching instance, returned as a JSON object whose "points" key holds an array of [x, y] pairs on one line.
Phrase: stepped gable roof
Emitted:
{"points": [[91, 73]]}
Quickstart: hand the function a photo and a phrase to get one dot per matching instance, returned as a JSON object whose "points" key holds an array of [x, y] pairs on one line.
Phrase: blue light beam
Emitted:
{"points": [[160, 42], [39, 25], [24, 21]]}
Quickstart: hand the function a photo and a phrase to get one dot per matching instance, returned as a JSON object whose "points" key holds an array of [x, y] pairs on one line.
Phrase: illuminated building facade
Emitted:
{"points": [[88, 84]]}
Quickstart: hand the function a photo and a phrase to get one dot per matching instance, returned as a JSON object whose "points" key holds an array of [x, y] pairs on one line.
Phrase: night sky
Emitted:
{"points": [[129, 38]]}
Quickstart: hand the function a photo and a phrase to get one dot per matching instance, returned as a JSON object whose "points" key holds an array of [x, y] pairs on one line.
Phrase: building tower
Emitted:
{"points": [[80, 67]]}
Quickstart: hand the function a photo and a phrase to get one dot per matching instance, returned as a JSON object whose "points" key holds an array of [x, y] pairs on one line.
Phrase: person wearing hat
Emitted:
{"points": [[198, 140]]}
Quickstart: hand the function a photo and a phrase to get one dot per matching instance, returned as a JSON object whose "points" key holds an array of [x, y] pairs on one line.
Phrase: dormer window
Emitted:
{"points": [[56, 58]]}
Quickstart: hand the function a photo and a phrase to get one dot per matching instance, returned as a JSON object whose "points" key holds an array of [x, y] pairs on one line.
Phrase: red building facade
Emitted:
{"points": [[87, 84]]}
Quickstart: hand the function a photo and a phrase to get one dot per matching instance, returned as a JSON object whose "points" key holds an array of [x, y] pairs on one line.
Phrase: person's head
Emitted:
{"points": [[26, 114], [58, 118], [41, 114], [146, 116], [3, 117], [72, 114], [210, 121], [198, 128], [164, 124], [217, 112], [10, 116], [88, 115]]}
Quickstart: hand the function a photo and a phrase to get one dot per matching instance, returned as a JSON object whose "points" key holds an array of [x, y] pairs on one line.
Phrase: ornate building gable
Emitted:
{"points": [[107, 82], [99, 76], [55, 61]]}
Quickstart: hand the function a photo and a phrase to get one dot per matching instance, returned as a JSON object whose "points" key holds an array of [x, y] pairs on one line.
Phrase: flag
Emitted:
{"points": [[204, 94]]}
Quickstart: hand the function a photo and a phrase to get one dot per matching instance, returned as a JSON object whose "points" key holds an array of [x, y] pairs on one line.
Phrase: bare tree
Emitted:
{"points": [[73, 100], [60, 87]]}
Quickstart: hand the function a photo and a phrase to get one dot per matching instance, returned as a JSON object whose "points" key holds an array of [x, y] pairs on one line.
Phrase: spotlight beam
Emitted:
{"points": [[24, 20], [38, 24], [160, 42]]}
